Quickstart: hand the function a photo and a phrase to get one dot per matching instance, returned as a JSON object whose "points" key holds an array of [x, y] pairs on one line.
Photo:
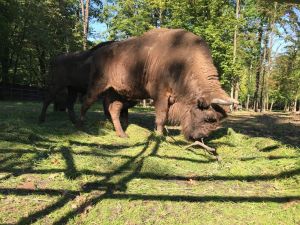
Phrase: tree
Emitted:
{"points": [[85, 5], [36, 31]]}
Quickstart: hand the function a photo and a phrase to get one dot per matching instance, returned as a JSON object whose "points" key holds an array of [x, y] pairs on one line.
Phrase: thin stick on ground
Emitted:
{"points": [[210, 150]]}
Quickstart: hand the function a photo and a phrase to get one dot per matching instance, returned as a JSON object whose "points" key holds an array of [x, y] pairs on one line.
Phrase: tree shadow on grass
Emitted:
{"points": [[268, 126], [200, 161], [25, 137], [247, 178], [117, 190], [106, 147], [11, 159], [270, 148], [269, 158]]}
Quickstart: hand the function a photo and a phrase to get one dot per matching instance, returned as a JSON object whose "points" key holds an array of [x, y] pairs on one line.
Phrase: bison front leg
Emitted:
{"points": [[92, 96], [161, 114], [90, 99], [106, 103], [115, 109], [124, 117], [72, 96]]}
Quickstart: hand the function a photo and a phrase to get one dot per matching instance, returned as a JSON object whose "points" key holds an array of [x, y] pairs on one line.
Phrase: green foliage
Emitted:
{"points": [[35, 31], [32, 32], [287, 77]]}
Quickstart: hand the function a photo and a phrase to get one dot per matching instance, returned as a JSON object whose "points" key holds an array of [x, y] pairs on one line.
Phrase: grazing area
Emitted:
{"points": [[55, 174]]}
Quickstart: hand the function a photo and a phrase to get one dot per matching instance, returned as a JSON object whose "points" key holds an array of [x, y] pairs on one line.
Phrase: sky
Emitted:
{"points": [[98, 30]]}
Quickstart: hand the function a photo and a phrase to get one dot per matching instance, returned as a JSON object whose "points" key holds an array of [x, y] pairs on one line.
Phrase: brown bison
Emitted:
{"points": [[71, 71], [116, 108], [174, 68]]}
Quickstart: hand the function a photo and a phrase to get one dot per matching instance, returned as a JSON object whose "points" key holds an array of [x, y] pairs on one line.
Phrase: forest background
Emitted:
{"points": [[255, 44]]}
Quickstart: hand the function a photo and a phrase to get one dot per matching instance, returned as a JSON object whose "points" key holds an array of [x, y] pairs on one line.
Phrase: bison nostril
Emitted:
{"points": [[210, 120]]}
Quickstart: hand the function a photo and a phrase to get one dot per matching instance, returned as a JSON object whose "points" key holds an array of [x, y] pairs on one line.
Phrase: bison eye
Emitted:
{"points": [[202, 104], [210, 119]]}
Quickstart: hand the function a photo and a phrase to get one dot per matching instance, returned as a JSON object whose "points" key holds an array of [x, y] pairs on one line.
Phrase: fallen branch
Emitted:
{"points": [[210, 150]]}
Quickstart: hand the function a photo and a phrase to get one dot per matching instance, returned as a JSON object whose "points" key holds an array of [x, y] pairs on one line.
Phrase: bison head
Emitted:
{"points": [[198, 121]]}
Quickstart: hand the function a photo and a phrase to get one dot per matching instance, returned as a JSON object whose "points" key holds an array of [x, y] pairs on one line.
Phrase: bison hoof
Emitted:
{"points": [[123, 135], [159, 133]]}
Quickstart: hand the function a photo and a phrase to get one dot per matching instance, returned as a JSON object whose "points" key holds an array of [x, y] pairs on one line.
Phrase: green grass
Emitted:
{"points": [[54, 174]]}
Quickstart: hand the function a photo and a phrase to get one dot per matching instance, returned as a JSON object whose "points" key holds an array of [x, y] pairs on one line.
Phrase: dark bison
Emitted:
{"points": [[174, 68], [71, 71]]}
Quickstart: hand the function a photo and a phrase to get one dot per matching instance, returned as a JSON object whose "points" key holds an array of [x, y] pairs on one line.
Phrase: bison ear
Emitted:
{"points": [[171, 100], [228, 101], [202, 103]]}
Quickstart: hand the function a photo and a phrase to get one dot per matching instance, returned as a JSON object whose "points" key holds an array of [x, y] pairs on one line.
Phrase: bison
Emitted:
{"points": [[115, 108], [68, 71], [71, 71], [173, 67]]}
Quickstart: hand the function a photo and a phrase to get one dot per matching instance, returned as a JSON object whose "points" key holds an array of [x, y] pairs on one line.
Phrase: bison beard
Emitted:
{"points": [[174, 68]]}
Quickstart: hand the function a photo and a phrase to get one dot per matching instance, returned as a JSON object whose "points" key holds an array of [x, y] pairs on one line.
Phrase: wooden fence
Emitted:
{"points": [[20, 92], [27, 93]]}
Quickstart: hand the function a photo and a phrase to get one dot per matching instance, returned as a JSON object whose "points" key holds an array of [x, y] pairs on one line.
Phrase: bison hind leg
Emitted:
{"points": [[115, 109], [161, 114], [72, 96]]}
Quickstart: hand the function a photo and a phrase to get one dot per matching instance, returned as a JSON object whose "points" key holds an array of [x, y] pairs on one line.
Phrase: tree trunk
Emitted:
{"points": [[85, 20], [18, 49], [261, 99], [263, 70], [160, 17], [235, 83], [295, 105], [247, 103], [236, 91], [42, 63], [271, 107], [231, 96], [270, 34], [5, 65], [16, 64], [267, 101], [285, 107], [258, 70]]}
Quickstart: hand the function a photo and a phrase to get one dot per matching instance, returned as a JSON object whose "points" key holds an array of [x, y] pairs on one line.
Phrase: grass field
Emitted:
{"points": [[54, 174]]}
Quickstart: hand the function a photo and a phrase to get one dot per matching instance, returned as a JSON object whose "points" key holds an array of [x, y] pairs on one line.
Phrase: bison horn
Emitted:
{"points": [[220, 101]]}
